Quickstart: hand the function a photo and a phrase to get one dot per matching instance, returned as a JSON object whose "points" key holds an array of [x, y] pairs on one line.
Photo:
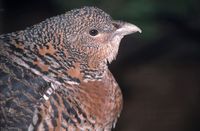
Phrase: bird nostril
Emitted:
{"points": [[116, 25]]}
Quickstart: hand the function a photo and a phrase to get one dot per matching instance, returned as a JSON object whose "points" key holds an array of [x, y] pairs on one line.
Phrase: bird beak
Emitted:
{"points": [[121, 29], [124, 28]]}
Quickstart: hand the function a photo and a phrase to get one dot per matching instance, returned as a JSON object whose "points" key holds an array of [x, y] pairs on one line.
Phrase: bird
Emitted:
{"points": [[54, 75]]}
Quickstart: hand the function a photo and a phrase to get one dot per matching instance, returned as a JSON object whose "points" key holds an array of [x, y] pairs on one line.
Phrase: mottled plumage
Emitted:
{"points": [[54, 75]]}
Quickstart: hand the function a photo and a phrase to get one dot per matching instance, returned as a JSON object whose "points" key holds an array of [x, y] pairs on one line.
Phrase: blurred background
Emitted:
{"points": [[158, 70]]}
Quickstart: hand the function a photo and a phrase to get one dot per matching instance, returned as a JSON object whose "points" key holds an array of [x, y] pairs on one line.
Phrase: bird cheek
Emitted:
{"points": [[102, 39]]}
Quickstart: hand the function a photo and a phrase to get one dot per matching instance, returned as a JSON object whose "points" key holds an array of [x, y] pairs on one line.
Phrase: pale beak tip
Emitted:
{"points": [[131, 28], [125, 28], [139, 30], [136, 28]]}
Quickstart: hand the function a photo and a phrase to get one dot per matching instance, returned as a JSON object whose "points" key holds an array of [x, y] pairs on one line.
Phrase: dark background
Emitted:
{"points": [[158, 70]]}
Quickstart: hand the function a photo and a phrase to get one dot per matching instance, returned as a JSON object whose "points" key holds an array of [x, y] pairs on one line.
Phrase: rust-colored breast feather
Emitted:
{"points": [[93, 105], [101, 99]]}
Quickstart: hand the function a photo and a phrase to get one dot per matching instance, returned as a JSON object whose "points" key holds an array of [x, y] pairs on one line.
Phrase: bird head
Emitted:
{"points": [[78, 43], [97, 35]]}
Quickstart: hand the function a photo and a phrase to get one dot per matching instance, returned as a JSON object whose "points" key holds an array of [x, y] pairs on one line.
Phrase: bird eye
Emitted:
{"points": [[93, 32]]}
